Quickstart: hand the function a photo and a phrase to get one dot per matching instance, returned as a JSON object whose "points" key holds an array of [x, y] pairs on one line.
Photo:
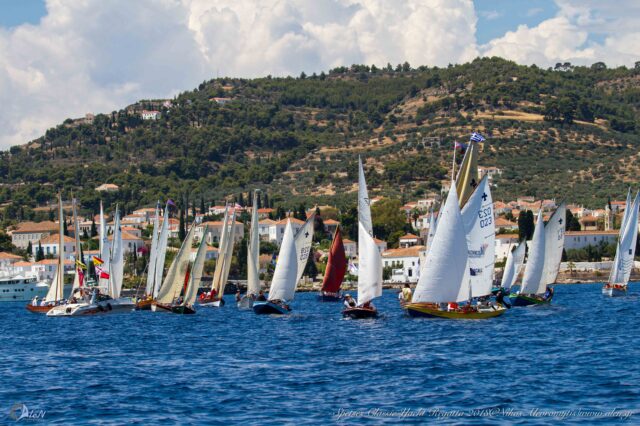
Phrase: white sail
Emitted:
{"points": [[153, 254], [479, 224], [229, 254], [105, 250], [253, 251], [196, 273], [534, 269], [303, 239], [76, 235], [554, 244], [56, 289], [623, 262], [515, 258], [433, 224], [283, 284], [222, 250], [369, 267], [446, 266], [117, 259], [174, 281], [627, 210], [364, 203], [163, 240]]}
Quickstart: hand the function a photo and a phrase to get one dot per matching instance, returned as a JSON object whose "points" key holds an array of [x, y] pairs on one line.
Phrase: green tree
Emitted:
{"points": [[181, 229], [571, 223], [387, 218], [525, 225]]}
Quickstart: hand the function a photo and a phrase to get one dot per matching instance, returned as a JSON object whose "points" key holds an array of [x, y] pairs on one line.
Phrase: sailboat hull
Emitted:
{"points": [[522, 300], [39, 309], [211, 303], [429, 310], [144, 305], [329, 298], [269, 308], [360, 313], [614, 291], [110, 306], [186, 310]]}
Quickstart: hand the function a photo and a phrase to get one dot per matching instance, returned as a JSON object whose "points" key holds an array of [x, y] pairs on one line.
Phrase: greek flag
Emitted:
{"points": [[476, 137]]}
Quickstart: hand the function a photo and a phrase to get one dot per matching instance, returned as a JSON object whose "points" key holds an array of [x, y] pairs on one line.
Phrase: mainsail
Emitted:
{"points": [[623, 262], [56, 289], [369, 267], [534, 270], [196, 273], [433, 224], [303, 239], [222, 251], [515, 258], [283, 284], [467, 178], [105, 253], [174, 281], [253, 251], [79, 276], [153, 254], [554, 244], [116, 273], [479, 224], [364, 203], [161, 252], [336, 265], [445, 273], [228, 254]]}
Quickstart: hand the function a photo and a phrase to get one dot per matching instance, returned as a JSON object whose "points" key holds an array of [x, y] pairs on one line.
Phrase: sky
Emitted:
{"points": [[64, 58]]}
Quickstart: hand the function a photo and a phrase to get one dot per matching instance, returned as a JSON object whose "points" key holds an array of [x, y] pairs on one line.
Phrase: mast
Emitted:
{"points": [[56, 289]]}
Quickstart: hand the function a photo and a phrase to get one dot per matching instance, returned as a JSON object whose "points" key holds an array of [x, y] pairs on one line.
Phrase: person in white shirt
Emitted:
{"points": [[349, 302], [34, 302]]}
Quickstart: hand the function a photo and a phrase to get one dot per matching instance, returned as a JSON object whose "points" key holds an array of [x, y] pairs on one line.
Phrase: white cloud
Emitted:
{"points": [[97, 56], [490, 14], [566, 37]]}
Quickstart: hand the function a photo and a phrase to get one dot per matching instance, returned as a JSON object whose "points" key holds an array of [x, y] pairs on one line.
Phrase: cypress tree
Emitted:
{"points": [[181, 230], [94, 229]]}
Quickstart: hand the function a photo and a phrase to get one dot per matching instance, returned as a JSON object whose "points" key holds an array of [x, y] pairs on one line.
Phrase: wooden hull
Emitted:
{"points": [[174, 309], [360, 313], [39, 309], [144, 305], [269, 308], [211, 303], [328, 298], [428, 310], [522, 300], [614, 291]]}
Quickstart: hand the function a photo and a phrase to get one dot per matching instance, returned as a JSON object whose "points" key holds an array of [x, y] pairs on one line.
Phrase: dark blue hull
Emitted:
{"points": [[520, 300], [360, 313], [268, 308]]}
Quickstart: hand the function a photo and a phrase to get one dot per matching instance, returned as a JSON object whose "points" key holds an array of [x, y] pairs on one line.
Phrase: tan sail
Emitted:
{"points": [[196, 273], [468, 177], [56, 290], [173, 282]]}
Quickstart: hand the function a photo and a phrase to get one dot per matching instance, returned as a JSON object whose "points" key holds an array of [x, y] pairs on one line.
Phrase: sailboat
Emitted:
{"points": [[433, 225], [186, 306], [253, 263], [225, 253], [155, 269], [468, 176], [97, 302], [175, 293], [623, 262], [285, 278], [55, 294], [335, 270], [369, 259], [445, 278], [543, 264], [512, 267]]}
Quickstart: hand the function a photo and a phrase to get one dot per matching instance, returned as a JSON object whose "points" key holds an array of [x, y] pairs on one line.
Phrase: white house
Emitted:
{"points": [[150, 115], [350, 248], [276, 229], [581, 239], [32, 232], [504, 244], [50, 246], [48, 268], [382, 245], [8, 260], [212, 253], [405, 263], [408, 240], [214, 231]]}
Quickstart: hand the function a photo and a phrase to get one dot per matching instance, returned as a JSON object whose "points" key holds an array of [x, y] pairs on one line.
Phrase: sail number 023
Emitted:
{"points": [[486, 216]]}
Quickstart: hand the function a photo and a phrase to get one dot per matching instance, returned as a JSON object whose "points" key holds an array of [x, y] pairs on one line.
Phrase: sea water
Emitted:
{"points": [[576, 361]]}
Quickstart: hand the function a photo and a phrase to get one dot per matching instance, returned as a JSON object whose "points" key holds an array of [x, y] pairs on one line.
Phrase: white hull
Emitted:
{"points": [[215, 304], [614, 292], [111, 306], [21, 289]]}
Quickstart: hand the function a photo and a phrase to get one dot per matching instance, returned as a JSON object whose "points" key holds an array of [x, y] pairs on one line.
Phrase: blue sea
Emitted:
{"points": [[576, 360]]}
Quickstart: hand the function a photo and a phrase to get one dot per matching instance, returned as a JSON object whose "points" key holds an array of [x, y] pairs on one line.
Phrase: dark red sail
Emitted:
{"points": [[336, 265]]}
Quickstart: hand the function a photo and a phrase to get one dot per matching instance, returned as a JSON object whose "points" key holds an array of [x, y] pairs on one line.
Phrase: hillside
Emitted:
{"points": [[566, 132]]}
